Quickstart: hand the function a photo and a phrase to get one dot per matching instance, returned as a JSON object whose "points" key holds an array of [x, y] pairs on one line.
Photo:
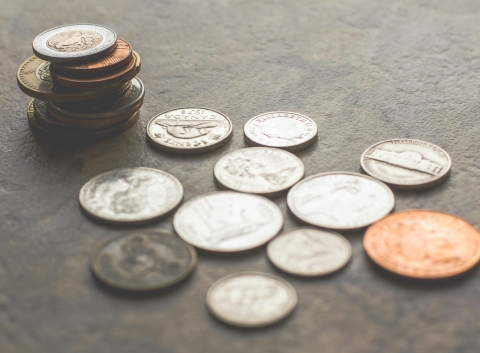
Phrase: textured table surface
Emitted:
{"points": [[364, 70]]}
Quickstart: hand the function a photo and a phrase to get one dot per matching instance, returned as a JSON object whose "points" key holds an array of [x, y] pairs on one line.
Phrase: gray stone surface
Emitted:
{"points": [[365, 70]]}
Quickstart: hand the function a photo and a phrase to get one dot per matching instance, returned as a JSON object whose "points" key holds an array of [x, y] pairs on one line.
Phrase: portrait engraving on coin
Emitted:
{"points": [[74, 41]]}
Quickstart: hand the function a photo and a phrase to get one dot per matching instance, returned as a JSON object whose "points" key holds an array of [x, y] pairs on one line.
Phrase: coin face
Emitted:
{"points": [[423, 244], [259, 170], [340, 200], [286, 130], [189, 130], [251, 299], [131, 195], [79, 42], [309, 252], [406, 163], [228, 221]]}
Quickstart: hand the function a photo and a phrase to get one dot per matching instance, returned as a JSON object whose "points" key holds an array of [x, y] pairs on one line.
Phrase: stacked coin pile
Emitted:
{"points": [[83, 81]]}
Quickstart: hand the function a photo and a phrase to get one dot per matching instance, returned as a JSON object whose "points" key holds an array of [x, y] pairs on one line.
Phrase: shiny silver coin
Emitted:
{"points": [[406, 163], [259, 170], [340, 200], [309, 251], [228, 221], [286, 130], [78, 42], [143, 261], [251, 299], [131, 195], [189, 130]]}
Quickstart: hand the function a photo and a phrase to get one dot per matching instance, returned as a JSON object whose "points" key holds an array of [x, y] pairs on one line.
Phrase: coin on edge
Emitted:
{"points": [[251, 299], [286, 130], [423, 244], [228, 221], [340, 200], [259, 170], [189, 130], [406, 163], [130, 195], [309, 251], [146, 260]]}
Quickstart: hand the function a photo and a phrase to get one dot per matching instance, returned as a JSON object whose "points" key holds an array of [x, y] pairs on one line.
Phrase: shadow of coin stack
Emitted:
{"points": [[83, 81]]}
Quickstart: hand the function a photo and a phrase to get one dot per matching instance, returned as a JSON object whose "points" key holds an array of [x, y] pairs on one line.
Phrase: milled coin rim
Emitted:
{"points": [[290, 308]]}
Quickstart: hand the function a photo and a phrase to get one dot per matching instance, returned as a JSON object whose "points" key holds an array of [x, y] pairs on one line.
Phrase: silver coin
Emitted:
{"points": [[406, 163], [228, 221], [189, 130], [286, 130], [340, 200], [259, 170], [131, 195], [144, 261], [74, 43], [251, 299], [309, 251]]}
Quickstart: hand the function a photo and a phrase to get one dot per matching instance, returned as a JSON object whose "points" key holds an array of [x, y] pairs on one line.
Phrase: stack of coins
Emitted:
{"points": [[83, 81]]}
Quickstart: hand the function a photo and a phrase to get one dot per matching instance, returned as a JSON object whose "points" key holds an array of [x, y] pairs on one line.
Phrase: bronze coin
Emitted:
{"points": [[423, 244]]}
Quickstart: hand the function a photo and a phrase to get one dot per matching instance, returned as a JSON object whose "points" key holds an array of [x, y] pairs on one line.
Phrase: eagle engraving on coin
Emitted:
{"points": [[74, 41], [43, 72]]}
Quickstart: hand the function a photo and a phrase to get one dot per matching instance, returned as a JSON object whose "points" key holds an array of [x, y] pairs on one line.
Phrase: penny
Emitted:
{"points": [[251, 299], [228, 221], [74, 43], [131, 195], [259, 170], [309, 251], [340, 200], [143, 261], [189, 130], [423, 244], [286, 130], [406, 163]]}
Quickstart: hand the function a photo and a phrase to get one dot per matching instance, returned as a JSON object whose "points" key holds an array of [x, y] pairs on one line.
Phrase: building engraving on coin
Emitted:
{"points": [[74, 41]]}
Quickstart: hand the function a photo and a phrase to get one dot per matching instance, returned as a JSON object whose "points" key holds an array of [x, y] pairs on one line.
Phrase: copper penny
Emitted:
{"points": [[423, 244]]}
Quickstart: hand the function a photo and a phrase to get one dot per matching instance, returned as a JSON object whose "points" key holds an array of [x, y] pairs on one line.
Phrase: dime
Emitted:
{"points": [[423, 244], [406, 163], [228, 221], [259, 170], [143, 261], [74, 43], [309, 251], [340, 200], [251, 299], [189, 130], [131, 195], [286, 130]]}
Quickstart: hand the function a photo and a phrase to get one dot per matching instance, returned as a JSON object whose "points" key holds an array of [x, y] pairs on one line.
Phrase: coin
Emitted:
{"points": [[228, 221], [74, 43], [309, 251], [143, 261], [189, 130], [259, 170], [406, 163], [423, 244], [251, 299], [286, 130], [131, 195], [340, 200]]}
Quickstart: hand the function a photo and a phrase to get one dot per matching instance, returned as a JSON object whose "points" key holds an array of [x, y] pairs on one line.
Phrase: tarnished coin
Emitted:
{"points": [[259, 170], [309, 252], [340, 200], [143, 261], [423, 244], [189, 130], [286, 130], [251, 299], [406, 163], [131, 195], [74, 43], [228, 221]]}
